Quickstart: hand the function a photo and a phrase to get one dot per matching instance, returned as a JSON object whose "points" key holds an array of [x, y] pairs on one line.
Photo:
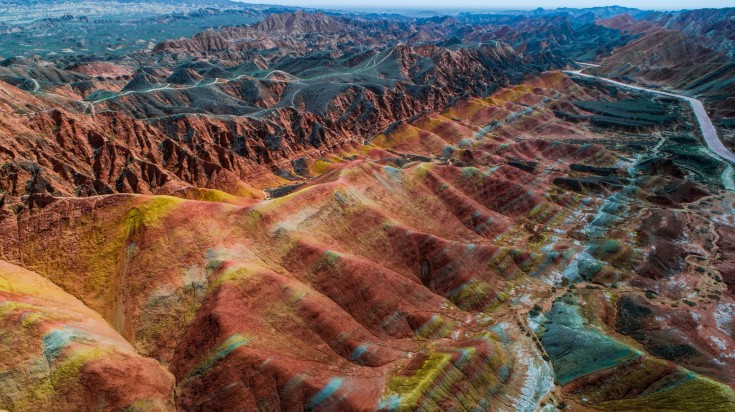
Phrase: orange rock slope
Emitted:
{"points": [[58, 354]]}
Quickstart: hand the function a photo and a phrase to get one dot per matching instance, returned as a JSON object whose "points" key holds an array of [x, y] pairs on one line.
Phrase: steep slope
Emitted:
{"points": [[58, 354], [713, 27], [201, 126], [300, 22], [671, 59], [576, 38]]}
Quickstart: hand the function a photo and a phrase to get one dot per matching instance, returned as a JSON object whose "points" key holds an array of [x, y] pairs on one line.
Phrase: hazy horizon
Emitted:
{"points": [[517, 4]]}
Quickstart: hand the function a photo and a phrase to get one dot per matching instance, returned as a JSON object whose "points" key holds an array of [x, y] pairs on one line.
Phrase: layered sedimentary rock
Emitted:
{"points": [[58, 354], [503, 252], [328, 212], [674, 60], [201, 126]]}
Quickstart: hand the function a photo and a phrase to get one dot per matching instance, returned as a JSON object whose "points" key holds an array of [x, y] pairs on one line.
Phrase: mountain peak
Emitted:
{"points": [[300, 22]]}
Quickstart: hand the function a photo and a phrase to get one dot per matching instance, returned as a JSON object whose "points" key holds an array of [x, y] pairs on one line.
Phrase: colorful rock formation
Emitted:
{"points": [[325, 212], [503, 252]]}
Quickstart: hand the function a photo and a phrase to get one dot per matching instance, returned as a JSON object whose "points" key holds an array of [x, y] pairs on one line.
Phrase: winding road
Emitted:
{"points": [[708, 129]]}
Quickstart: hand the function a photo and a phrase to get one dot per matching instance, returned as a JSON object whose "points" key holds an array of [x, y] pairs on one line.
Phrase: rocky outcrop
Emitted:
{"points": [[713, 27], [674, 60], [206, 41], [58, 354], [300, 22], [104, 70], [164, 132]]}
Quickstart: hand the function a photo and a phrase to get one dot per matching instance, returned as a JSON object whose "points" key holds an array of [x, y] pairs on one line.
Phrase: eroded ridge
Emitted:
{"points": [[556, 243]]}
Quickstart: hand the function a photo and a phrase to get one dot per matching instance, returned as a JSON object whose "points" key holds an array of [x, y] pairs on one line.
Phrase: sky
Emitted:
{"points": [[505, 4]]}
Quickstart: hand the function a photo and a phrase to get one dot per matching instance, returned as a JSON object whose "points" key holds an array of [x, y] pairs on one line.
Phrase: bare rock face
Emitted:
{"points": [[713, 27], [240, 119], [102, 69], [208, 40], [229, 133], [57, 354], [677, 61], [300, 22]]}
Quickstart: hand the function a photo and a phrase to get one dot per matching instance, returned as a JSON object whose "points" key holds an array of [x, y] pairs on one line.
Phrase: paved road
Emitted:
{"points": [[708, 129]]}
